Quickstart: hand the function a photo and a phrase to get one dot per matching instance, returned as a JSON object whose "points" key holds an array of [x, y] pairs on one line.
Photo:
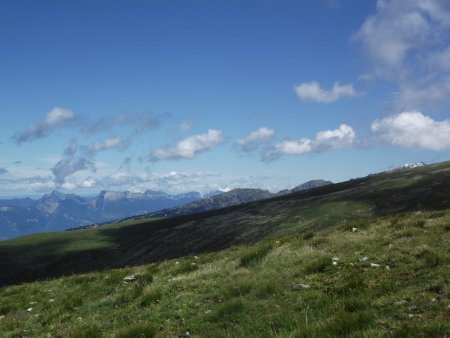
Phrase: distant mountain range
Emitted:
{"points": [[222, 200], [58, 211]]}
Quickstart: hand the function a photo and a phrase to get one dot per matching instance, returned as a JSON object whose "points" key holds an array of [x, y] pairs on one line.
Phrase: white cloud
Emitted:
{"points": [[413, 130], [255, 139], [78, 158], [408, 43], [55, 118], [109, 143], [340, 138], [311, 91], [58, 115], [189, 147]]}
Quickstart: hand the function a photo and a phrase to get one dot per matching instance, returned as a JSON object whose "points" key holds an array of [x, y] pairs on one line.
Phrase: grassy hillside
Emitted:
{"points": [[142, 241], [363, 258], [387, 278]]}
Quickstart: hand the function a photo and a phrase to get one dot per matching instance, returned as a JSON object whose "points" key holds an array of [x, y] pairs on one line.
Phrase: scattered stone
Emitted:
{"points": [[51, 300], [300, 286], [388, 267], [177, 262], [32, 303], [335, 259], [363, 259], [129, 279], [187, 334], [195, 257], [414, 309], [354, 229], [375, 265], [434, 300], [193, 263], [2, 316], [29, 309], [400, 302], [334, 263], [79, 318]]}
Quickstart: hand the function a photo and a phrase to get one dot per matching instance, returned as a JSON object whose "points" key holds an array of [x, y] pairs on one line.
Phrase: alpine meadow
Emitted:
{"points": [[225, 168]]}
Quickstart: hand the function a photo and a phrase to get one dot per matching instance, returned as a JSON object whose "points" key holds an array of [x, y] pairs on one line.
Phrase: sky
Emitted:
{"points": [[200, 95]]}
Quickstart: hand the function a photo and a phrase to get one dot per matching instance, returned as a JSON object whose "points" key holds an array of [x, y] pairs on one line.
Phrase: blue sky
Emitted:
{"points": [[201, 95]]}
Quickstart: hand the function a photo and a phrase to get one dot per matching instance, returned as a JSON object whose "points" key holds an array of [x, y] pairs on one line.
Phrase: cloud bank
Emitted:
{"points": [[312, 91], [407, 43]]}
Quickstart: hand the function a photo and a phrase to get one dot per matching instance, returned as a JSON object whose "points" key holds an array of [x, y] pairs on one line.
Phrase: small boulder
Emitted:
{"points": [[363, 259], [375, 265]]}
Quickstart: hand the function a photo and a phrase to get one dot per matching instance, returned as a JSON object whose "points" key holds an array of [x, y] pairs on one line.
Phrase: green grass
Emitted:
{"points": [[291, 266], [247, 290]]}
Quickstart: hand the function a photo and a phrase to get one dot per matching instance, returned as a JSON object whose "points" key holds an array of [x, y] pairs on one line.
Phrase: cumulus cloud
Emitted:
{"points": [[255, 139], [3, 171], [413, 130], [340, 138], [55, 118], [312, 91], [407, 42], [189, 147]]}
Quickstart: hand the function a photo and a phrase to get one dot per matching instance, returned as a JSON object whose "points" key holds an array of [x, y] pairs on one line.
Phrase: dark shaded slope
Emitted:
{"points": [[142, 241]]}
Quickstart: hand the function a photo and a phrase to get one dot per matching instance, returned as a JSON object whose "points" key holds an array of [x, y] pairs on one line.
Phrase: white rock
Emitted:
{"points": [[130, 278], [374, 265], [335, 259], [300, 286], [29, 309], [354, 229], [363, 259]]}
